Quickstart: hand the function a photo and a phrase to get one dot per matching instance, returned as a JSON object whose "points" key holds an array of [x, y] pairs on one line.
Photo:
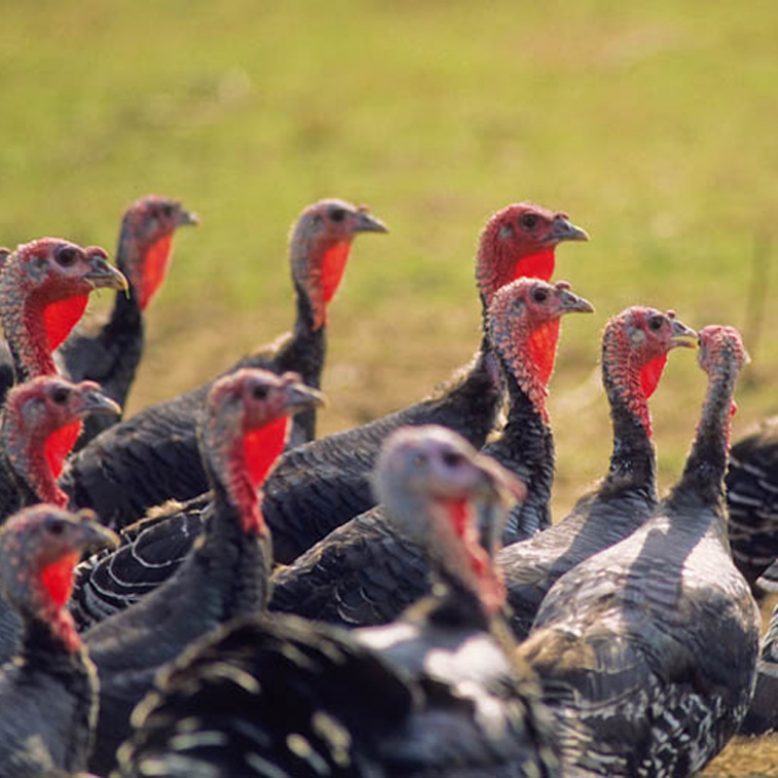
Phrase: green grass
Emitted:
{"points": [[653, 124]]}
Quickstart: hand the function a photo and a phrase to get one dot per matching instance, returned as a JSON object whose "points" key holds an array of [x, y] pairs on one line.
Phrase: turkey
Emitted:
{"points": [[153, 456], [41, 420], [282, 696], [635, 346], [244, 429], [44, 288], [111, 355], [49, 689], [762, 715], [366, 572], [647, 650], [752, 498]]}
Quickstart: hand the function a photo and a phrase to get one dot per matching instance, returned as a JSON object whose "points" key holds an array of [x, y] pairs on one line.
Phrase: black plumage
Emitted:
{"points": [[752, 499], [225, 575], [762, 716], [647, 650], [153, 456]]}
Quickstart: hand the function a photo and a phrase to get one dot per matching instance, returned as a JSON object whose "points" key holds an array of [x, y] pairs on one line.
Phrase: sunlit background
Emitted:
{"points": [[652, 124]]}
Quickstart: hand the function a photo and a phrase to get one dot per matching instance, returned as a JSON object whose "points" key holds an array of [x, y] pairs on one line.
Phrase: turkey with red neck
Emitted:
{"points": [[153, 456], [111, 355], [49, 688], [518, 241], [41, 420], [434, 693], [44, 288], [244, 428], [367, 571], [647, 650], [635, 346]]}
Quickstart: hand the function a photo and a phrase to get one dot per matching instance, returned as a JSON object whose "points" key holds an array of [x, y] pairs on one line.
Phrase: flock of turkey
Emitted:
{"points": [[391, 600]]}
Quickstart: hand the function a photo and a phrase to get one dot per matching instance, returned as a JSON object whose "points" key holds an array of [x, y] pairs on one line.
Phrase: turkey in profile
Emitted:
{"points": [[635, 347], [48, 691], [367, 571], [434, 693], [243, 430], [111, 354], [647, 650], [153, 456], [44, 288]]}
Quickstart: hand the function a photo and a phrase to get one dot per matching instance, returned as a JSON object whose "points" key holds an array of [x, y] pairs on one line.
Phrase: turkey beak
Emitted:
{"points": [[563, 229], [104, 276], [498, 484], [299, 397], [186, 218], [682, 335], [96, 402], [93, 534], [368, 223], [572, 303]]}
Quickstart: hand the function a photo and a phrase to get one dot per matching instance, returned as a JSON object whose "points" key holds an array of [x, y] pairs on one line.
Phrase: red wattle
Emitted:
{"points": [[333, 267], [60, 316], [261, 448], [155, 264], [539, 265], [59, 444], [542, 347], [650, 374], [57, 578]]}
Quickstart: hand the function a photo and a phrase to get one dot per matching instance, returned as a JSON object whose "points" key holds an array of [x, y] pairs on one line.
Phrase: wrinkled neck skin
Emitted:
{"points": [[24, 328], [703, 475], [30, 467], [633, 459]]}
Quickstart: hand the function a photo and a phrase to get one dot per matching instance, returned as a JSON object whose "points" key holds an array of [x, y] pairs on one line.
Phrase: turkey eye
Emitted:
{"points": [[337, 214], [56, 527], [167, 211], [67, 257], [451, 459], [60, 395], [656, 323], [540, 295], [259, 392], [529, 220]]}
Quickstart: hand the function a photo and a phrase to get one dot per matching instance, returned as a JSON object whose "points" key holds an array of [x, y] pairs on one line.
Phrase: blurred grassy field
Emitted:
{"points": [[653, 125]]}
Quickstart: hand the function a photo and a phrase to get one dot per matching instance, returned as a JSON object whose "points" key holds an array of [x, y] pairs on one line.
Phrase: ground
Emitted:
{"points": [[652, 124]]}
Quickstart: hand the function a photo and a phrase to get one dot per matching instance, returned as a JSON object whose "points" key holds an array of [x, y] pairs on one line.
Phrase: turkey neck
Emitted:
{"points": [[126, 313], [30, 472], [703, 474], [526, 447], [231, 555], [633, 460]]}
